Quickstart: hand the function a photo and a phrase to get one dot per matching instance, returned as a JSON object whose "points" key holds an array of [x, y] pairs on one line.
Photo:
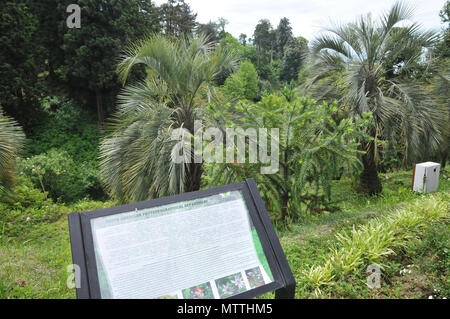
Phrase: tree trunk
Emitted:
{"points": [[285, 195], [259, 55], [195, 170], [100, 113], [284, 206], [271, 55], [443, 160], [369, 182], [443, 156], [194, 180]]}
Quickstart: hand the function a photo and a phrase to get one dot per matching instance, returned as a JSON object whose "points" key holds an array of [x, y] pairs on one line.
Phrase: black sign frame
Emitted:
{"points": [[83, 254]]}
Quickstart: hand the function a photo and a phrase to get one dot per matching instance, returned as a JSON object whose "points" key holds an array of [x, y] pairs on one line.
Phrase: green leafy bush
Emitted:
{"points": [[56, 173], [234, 87], [69, 128], [25, 207], [74, 133], [244, 83]]}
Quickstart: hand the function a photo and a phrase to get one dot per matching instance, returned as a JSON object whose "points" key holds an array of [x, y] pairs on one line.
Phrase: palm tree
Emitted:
{"points": [[136, 159], [352, 63], [11, 143], [441, 87]]}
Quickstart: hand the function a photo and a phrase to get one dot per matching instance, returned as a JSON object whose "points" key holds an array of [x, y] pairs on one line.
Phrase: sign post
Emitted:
{"points": [[210, 244]]}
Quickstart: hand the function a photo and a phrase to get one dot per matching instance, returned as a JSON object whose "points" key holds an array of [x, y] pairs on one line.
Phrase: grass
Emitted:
{"points": [[375, 242], [329, 254], [34, 257], [34, 264]]}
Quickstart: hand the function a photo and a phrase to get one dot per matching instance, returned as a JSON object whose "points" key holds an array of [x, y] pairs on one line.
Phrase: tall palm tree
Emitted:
{"points": [[351, 62], [136, 159], [441, 87], [11, 143]]}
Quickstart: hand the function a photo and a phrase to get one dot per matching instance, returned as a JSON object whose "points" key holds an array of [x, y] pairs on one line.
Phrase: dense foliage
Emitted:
{"points": [[20, 62], [56, 173], [60, 84], [99, 112], [313, 150], [244, 83]]}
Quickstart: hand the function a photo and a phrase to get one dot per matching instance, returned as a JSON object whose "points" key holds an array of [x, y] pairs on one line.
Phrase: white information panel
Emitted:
{"points": [[197, 249]]}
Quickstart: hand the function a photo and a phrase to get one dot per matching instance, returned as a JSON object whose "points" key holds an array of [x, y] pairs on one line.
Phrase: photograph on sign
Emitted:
{"points": [[204, 248]]}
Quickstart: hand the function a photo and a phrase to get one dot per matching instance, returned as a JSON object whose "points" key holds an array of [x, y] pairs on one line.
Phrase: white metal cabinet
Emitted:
{"points": [[426, 177]]}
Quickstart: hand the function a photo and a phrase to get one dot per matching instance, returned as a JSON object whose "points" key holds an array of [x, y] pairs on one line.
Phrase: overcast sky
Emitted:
{"points": [[306, 16]]}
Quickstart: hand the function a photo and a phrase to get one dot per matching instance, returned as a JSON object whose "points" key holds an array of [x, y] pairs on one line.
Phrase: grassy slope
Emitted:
{"points": [[309, 244], [34, 264]]}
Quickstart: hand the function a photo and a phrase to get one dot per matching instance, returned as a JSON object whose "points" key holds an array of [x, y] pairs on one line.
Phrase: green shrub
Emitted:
{"points": [[25, 207], [244, 83], [319, 276], [68, 128], [74, 132], [234, 87], [265, 87], [56, 173]]}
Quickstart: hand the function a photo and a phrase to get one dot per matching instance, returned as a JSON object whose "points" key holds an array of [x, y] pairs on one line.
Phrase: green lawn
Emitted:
{"points": [[33, 262]]}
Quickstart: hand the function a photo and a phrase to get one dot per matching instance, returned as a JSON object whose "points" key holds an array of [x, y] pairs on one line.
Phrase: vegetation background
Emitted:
{"points": [[86, 117]]}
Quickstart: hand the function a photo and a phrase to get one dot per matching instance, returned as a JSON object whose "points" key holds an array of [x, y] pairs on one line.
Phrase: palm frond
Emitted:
{"points": [[136, 157], [12, 140], [360, 76]]}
